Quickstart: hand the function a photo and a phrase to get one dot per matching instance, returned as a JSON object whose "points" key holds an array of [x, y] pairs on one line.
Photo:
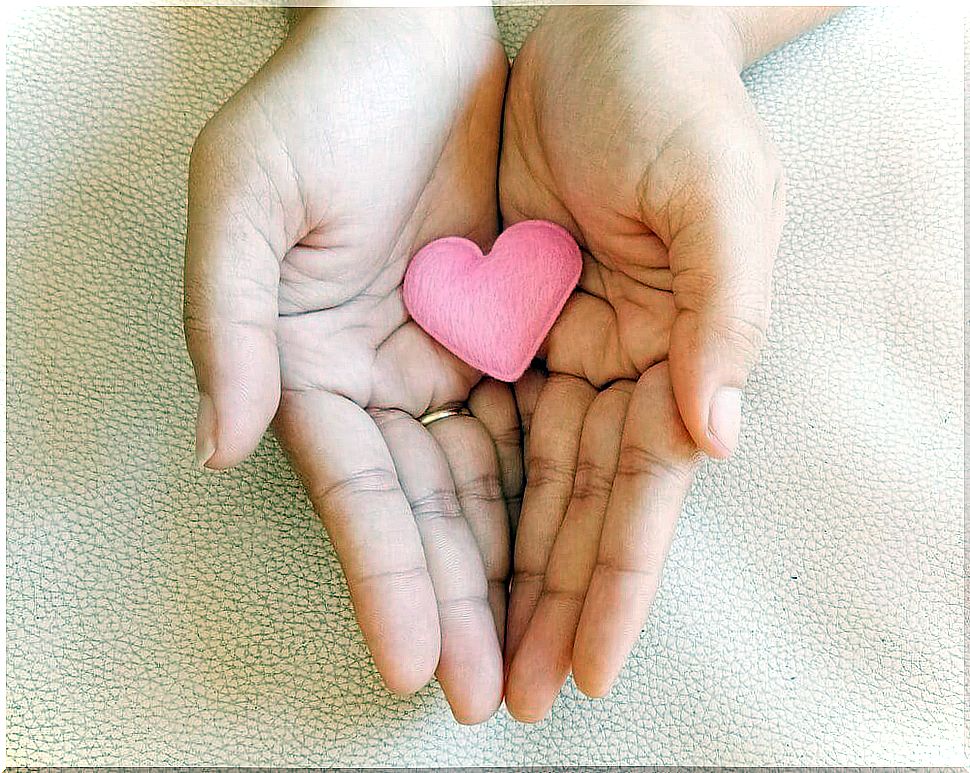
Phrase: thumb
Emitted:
{"points": [[234, 243], [721, 259]]}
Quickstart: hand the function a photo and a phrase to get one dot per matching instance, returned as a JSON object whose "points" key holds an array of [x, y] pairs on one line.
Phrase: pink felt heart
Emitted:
{"points": [[493, 311]]}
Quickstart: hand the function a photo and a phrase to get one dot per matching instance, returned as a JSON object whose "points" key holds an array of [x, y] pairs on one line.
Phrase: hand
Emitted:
{"points": [[367, 135], [631, 128]]}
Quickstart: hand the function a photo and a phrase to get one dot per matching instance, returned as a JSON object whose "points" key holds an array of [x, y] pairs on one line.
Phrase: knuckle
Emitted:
{"points": [[592, 483], [525, 576], [564, 597], [461, 607], [194, 324], [693, 288], [648, 570], [565, 382], [507, 437], [387, 417], [639, 461], [438, 503], [546, 471], [737, 311], [486, 488], [743, 333], [400, 578], [369, 481]]}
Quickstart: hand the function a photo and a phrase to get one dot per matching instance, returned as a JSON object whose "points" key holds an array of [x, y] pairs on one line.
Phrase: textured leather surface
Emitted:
{"points": [[812, 611]]}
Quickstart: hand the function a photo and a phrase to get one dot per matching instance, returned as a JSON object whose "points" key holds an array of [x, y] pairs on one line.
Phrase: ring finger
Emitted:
{"points": [[470, 665]]}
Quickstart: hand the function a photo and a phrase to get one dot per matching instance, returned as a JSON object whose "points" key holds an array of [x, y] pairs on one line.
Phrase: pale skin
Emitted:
{"points": [[309, 192], [372, 132]]}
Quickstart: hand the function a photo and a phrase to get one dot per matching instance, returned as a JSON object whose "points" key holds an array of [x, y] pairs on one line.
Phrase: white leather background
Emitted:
{"points": [[812, 612]]}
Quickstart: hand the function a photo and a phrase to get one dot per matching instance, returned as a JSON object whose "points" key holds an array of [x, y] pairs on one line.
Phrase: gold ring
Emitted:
{"points": [[449, 409]]}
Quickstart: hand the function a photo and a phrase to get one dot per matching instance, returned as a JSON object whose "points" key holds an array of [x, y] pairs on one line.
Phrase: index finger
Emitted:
{"points": [[655, 469]]}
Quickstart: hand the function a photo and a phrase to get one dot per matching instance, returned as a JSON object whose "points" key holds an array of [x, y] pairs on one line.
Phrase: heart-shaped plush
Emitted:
{"points": [[493, 311]]}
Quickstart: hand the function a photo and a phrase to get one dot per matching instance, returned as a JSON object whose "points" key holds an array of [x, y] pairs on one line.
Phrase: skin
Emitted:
{"points": [[308, 193], [371, 133], [675, 195]]}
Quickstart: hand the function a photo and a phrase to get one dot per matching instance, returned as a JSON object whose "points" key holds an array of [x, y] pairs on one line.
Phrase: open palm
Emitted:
{"points": [[367, 135], [637, 136]]}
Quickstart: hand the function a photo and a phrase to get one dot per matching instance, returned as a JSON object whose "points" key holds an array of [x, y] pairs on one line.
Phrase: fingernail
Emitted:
{"points": [[205, 431], [724, 420]]}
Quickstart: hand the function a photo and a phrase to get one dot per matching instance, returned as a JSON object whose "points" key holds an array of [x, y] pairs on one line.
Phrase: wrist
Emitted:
{"points": [[754, 31], [712, 31], [451, 26], [708, 33], [735, 35], [743, 34]]}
